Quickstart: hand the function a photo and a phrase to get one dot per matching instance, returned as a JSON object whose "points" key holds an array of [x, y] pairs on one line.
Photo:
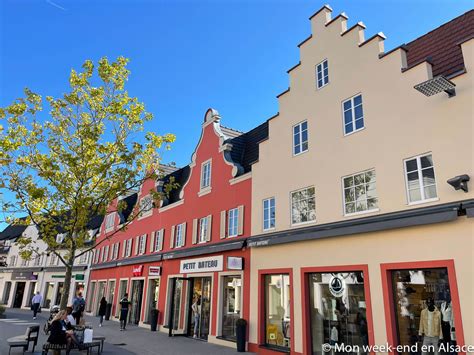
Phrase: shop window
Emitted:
{"points": [[420, 179], [424, 313], [337, 310], [322, 74], [277, 311], [303, 206], [360, 192], [269, 213], [231, 305], [300, 138], [353, 114]]}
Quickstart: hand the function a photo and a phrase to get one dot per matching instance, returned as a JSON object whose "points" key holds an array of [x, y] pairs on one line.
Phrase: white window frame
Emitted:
{"points": [[178, 236], [351, 99], [12, 260], [128, 249], [266, 211], [158, 240], [300, 134], [291, 207], [233, 222], [320, 70], [83, 259], [203, 228], [24, 262], [109, 221], [420, 179], [142, 244], [148, 210], [105, 257], [346, 214], [206, 175]]}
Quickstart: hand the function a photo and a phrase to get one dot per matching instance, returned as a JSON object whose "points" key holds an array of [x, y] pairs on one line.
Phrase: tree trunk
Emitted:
{"points": [[67, 281]]}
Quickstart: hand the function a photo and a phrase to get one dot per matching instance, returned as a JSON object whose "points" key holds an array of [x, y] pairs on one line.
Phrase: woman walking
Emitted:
{"points": [[102, 308]]}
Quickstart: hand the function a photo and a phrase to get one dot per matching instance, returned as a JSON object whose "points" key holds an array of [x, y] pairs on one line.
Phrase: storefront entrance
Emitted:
{"points": [[190, 307], [136, 301], [20, 291]]}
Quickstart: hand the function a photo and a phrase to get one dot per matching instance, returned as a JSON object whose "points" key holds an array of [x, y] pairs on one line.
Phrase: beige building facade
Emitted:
{"points": [[356, 235]]}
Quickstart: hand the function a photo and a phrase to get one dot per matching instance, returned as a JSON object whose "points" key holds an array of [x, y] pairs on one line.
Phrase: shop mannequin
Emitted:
{"points": [[430, 326], [334, 335], [447, 318]]}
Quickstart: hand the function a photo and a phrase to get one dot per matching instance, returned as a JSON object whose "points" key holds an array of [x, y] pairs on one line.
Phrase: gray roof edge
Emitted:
{"points": [[420, 216]]}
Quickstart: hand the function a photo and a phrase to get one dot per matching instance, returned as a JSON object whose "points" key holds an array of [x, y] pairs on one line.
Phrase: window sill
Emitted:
{"points": [[301, 224], [269, 230], [280, 349], [321, 87], [300, 153], [351, 133], [423, 201], [361, 212], [205, 191]]}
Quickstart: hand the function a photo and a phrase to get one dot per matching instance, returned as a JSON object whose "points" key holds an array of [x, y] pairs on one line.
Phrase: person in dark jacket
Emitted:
{"points": [[124, 307], [58, 333], [102, 308]]}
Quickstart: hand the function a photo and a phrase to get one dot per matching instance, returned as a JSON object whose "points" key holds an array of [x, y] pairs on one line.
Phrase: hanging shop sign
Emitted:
{"points": [[337, 285], [235, 263], [154, 271], [137, 270], [79, 277], [212, 263]]}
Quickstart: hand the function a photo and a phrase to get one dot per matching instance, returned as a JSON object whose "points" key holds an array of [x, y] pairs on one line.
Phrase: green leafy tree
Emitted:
{"points": [[67, 167]]}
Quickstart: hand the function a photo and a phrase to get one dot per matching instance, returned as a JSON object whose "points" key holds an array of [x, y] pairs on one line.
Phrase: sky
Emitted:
{"points": [[188, 55]]}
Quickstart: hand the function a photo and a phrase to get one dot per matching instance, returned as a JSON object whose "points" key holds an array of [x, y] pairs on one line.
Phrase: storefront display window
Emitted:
{"points": [[337, 309], [277, 310], [231, 305], [423, 309]]}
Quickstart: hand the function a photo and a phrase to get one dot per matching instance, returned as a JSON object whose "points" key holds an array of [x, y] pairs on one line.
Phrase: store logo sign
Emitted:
{"points": [[337, 286], [213, 263], [137, 270], [154, 271]]}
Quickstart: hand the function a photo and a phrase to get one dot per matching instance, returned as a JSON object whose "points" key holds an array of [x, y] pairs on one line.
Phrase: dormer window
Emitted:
{"points": [[146, 206]]}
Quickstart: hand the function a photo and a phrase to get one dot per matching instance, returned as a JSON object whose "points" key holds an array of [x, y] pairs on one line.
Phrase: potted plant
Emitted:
{"points": [[241, 334], [153, 319]]}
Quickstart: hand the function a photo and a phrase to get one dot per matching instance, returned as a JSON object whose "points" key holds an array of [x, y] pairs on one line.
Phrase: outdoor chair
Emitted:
{"points": [[23, 341]]}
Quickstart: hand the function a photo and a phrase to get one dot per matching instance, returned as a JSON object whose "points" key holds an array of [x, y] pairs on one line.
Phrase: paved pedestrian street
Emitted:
{"points": [[135, 340]]}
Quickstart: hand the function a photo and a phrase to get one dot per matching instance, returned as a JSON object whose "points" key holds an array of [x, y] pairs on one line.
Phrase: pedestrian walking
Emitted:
{"points": [[196, 308], [78, 306], [102, 308], [36, 303], [124, 307]]}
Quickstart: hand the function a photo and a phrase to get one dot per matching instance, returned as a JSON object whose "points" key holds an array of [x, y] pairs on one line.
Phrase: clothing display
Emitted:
{"points": [[431, 341], [447, 325], [430, 323]]}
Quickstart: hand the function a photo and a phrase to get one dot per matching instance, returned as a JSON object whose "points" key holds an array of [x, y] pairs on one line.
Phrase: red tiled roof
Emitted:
{"points": [[442, 45]]}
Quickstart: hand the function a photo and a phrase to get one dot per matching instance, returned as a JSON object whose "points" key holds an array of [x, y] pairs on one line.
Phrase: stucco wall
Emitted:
{"points": [[399, 121]]}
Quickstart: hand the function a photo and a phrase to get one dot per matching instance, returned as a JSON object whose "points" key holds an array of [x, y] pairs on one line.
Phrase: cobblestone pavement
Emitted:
{"points": [[135, 340]]}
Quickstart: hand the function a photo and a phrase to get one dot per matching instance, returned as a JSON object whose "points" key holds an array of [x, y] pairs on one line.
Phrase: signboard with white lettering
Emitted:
{"points": [[212, 263], [235, 263], [154, 271]]}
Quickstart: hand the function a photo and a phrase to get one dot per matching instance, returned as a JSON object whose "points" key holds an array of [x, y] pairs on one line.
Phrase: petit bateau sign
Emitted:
{"points": [[212, 263]]}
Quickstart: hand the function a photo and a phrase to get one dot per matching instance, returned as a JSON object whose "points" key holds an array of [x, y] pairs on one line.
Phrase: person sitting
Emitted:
{"points": [[59, 334], [70, 321]]}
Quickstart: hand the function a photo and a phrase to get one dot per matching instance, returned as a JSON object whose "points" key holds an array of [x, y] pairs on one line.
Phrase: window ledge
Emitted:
{"points": [[423, 201], [268, 230], [355, 131], [280, 349], [321, 87], [205, 191], [295, 225], [361, 212], [300, 153]]}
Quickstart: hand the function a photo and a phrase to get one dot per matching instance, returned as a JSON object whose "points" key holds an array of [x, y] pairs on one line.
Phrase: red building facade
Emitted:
{"points": [[188, 257]]}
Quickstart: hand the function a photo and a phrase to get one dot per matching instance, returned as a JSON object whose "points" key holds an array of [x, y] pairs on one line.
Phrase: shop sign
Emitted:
{"points": [[337, 286], [24, 276], [154, 271], [235, 263], [137, 270], [57, 276], [212, 263], [79, 277]]}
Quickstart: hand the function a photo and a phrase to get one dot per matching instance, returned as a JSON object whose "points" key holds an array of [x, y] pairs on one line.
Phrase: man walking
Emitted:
{"points": [[36, 303], [78, 306], [124, 307]]}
